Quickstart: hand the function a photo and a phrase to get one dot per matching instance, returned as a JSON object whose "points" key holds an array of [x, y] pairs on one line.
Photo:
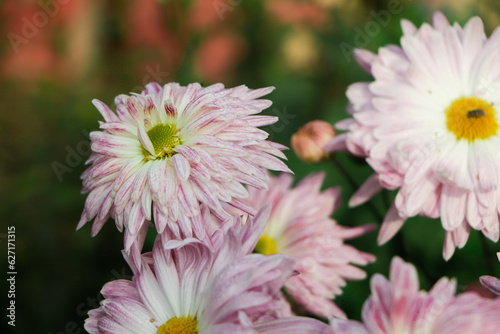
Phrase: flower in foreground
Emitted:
{"points": [[188, 287], [300, 227], [491, 283], [397, 306], [169, 149], [429, 125]]}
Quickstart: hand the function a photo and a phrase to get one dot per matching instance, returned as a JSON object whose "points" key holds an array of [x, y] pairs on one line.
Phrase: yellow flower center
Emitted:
{"points": [[471, 118], [164, 138], [180, 325], [266, 245]]}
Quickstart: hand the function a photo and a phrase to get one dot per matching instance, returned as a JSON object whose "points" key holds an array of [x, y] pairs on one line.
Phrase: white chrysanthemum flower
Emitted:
{"points": [[300, 226], [187, 287], [171, 148], [397, 305], [429, 125]]}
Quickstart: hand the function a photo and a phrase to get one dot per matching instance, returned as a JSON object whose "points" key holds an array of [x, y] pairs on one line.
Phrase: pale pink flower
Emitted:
{"points": [[428, 126], [169, 149], [491, 283], [397, 306], [300, 227], [190, 287]]}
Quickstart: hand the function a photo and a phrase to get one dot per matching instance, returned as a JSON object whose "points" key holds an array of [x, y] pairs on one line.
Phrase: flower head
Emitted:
{"points": [[397, 306], [188, 287], [429, 126], [171, 148], [300, 227], [308, 142]]}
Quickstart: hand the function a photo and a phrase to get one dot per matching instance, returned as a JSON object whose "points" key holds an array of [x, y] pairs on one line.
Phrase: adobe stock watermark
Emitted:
{"points": [[487, 88], [224, 6], [90, 303], [74, 157], [32, 24], [372, 28], [283, 120]]}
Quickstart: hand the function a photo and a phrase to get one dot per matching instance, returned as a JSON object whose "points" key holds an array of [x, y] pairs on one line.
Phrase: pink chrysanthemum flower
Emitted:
{"points": [[429, 125], [191, 288], [397, 306], [169, 149], [491, 283], [300, 227]]}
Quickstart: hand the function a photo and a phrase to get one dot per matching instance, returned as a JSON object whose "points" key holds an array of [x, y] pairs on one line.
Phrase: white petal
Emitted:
{"points": [[145, 140], [182, 167]]}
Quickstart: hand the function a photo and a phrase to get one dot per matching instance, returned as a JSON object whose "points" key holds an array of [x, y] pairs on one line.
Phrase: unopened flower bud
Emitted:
{"points": [[308, 142]]}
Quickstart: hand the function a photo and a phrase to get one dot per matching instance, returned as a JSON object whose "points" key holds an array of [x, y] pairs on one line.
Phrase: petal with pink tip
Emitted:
{"points": [[390, 226]]}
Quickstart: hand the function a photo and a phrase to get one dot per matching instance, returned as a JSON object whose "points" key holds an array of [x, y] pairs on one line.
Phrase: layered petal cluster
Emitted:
{"points": [[429, 126], [397, 306], [491, 283], [300, 227], [190, 287], [169, 149]]}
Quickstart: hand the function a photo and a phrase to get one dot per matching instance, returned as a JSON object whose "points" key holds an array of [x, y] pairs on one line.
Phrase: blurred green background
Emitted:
{"points": [[56, 56]]}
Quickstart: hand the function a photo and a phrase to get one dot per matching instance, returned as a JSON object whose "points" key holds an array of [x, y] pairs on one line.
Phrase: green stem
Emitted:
{"points": [[355, 186], [401, 246]]}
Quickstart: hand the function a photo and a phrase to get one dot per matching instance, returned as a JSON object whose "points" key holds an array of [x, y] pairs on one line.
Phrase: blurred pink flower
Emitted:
{"points": [[146, 23], [218, 55], [397, 306], [188, 287], [297, 12], [206, 14], [30, 54], [428, 126], [300, 227], [309, 140], [36, 60], [169, 149], [49, 39]]}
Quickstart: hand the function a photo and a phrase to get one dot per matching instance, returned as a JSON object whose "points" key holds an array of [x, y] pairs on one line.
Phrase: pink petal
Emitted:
{"points": [[106, 112], [145, 140], [448, 246], [453, 206], [336, 144], [408, 27], [390, 226], [182, 167], [364, 58], [491, 283], [370, 188], [439, 21]]}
